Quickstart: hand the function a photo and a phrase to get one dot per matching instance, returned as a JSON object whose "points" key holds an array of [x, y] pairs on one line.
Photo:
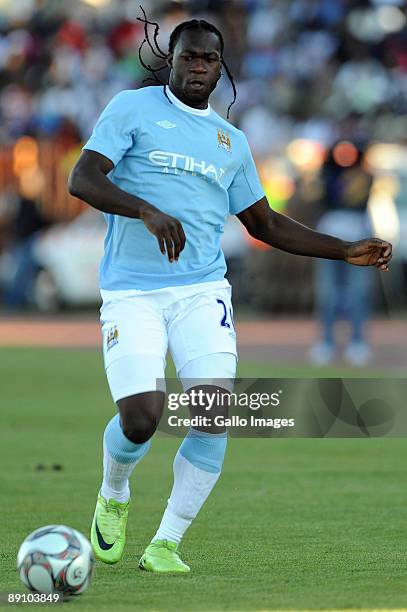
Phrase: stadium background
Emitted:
{"points": [[309, 74]]}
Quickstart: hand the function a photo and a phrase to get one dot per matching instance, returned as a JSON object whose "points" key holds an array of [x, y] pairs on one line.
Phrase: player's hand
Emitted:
{"points": [[168, 231], [369, 252]]}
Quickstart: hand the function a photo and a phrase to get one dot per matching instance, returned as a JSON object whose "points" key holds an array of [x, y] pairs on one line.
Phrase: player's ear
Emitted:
{"points": [[170, 58], [220, 69]]}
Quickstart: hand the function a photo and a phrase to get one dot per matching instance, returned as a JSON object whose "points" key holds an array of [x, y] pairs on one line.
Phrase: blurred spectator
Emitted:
{"points": [[20, 223], [341, 289]]}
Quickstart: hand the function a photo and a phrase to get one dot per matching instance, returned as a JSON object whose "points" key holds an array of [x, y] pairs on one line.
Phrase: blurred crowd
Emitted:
{"points": [[311, 68], [318, 82]]}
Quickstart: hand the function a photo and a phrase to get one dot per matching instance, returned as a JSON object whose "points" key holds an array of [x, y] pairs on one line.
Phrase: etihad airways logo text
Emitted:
{"points": [[183, 164]]}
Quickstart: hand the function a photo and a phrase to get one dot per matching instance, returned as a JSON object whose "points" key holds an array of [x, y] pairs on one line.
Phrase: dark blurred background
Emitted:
{"points": [[322, 98]]}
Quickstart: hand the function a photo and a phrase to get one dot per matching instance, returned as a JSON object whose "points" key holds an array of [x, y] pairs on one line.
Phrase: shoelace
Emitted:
{"points": [[165, 544], [111, 528], [116, 509]]}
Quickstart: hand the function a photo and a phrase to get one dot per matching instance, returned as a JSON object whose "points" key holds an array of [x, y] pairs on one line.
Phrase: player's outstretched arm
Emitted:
{"points": [[284, 233], [88, 181]]}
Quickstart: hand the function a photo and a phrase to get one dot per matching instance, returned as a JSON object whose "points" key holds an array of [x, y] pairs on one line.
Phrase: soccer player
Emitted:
{"points": [[167, 171]]}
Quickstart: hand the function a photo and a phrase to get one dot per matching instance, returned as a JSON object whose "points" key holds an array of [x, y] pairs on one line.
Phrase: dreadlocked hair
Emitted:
{"points": [[152, 43]]}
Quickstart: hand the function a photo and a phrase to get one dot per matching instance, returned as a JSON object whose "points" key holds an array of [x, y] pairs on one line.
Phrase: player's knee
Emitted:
{"points": [[140, 431], [212, 408], [140, 415]]}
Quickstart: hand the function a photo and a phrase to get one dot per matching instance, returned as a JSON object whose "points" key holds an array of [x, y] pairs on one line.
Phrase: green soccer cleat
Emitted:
{"points": [[161, 557], [108, 533]]}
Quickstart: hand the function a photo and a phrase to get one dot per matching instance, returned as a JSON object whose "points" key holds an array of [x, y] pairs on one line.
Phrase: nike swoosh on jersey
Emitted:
{"points": [[103, 545]]}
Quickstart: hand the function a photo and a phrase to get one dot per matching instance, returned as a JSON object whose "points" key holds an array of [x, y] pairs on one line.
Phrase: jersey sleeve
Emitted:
{"points": [[245, 188], [113, 133]]}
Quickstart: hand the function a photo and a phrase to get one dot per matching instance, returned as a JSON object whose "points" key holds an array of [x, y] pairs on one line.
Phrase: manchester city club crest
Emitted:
{"points": [[112, 337], [224, 140]]}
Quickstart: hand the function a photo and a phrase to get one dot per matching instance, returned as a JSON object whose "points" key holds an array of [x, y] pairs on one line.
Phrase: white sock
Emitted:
{"points": [[190, 490], [120, 457], [116, 478]]}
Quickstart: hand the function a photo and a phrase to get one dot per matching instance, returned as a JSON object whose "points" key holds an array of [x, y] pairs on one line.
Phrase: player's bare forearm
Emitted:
{"points": [[88, 181], [287, 235], [299, 239], [293, 237]]}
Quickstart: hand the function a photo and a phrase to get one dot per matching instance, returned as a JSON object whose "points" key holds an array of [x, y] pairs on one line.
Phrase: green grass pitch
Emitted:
{"points": [[292, 524]]}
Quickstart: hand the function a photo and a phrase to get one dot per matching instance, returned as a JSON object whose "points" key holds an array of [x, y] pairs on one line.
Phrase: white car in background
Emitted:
{"points": [[68, 255]]}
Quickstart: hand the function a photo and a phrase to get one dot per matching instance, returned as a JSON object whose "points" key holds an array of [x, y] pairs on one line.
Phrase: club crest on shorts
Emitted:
{"points": [[112, 337], [224, 140]]}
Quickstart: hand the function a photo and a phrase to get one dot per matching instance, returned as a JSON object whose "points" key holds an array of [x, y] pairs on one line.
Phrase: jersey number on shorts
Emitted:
{"points": [[224, 322]]}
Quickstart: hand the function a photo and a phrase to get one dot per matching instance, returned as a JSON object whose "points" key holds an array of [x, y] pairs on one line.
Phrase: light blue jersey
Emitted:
{"points": [[190, 164]]}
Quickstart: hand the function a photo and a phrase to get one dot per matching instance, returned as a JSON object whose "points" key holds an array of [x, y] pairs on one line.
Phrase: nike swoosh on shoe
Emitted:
{"points": [[103, 545]]}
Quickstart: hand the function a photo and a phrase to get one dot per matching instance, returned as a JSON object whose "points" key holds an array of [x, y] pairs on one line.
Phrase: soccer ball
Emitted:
{"points": [[56, 559]]}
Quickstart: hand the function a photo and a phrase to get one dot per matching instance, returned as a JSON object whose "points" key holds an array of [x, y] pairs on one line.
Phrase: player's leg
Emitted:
{"points": [[198, 463], [126, 441], [127, 435], [132, 378]]}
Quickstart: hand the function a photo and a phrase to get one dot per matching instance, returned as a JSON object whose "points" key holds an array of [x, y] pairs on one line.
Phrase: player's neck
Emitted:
{"points": [[204, 105]]}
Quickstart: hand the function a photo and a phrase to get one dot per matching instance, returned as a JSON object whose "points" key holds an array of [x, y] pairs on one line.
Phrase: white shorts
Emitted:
{"points": [[195, 322]]}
